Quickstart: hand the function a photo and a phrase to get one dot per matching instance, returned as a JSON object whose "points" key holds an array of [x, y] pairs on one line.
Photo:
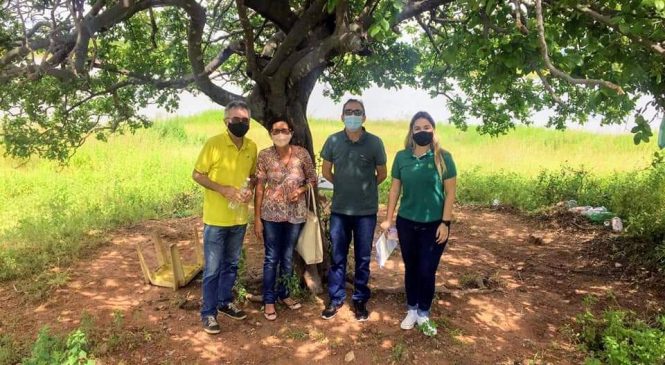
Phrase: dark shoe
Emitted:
{"points": [[360, 308], [210, 325], [331, 310], [232, 311]]}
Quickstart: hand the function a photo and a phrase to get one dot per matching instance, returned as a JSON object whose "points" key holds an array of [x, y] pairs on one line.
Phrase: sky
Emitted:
{"points": [[381, 104]]}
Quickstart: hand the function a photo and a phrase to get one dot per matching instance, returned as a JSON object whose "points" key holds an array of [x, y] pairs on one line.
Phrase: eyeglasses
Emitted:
{"points": [[235, 120], [356, 112], [277, 131]]}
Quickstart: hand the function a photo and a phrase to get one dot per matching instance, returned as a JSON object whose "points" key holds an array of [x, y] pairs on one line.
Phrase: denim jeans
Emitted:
{"points": [[222, 247], [421, 255], [279, 239], [342, 229]]}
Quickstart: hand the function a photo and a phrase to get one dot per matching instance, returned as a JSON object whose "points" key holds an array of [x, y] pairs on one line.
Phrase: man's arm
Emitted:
{"points": [[326, 170], [381, 174], [229, 192]]}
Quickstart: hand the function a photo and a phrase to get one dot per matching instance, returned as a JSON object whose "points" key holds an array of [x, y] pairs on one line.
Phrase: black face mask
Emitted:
{"points": [[239, 129], [423, 138]]}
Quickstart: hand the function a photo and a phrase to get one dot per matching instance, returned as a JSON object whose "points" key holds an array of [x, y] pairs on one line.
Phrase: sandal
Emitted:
{"points": [[292, 304], [270, 316]]}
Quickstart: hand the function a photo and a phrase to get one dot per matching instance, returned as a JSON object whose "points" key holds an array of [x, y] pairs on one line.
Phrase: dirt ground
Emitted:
{"points": [[537, 273]]}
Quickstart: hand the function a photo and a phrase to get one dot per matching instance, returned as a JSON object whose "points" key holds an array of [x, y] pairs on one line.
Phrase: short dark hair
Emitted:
{"points": [[352, 100], [234, 104], [280, 119]]}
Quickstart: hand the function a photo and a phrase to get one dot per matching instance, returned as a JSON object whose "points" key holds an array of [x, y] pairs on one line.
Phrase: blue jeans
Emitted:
{"points": [[421, 255], [221, 249], [342, 228], [279, 239]]}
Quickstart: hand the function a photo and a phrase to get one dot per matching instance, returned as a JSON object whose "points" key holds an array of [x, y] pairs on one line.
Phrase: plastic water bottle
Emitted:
{"points": [[617, 224], [245, 187]]}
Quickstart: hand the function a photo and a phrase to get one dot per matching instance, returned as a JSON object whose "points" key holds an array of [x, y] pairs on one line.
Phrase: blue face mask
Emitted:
{"points": [[353, 122]]}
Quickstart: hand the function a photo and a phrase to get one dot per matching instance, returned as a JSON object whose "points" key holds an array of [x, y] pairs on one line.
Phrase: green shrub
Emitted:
{"points": [[619, 338], [10, 350], [174, 130], [638, 198], [51, 349]]}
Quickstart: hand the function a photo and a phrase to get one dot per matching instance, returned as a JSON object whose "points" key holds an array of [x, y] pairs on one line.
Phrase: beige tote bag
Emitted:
{"points": [[310, 244]]}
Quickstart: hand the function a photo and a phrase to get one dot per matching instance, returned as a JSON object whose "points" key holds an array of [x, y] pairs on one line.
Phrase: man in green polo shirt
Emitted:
{"points": [[354, 160]]}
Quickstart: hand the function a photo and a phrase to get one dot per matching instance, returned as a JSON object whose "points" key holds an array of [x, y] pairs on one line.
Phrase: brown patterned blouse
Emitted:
{"points": [[280, 180]]}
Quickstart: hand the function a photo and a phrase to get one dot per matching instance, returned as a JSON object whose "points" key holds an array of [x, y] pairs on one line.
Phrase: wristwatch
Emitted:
{"points": [[447, 223]]}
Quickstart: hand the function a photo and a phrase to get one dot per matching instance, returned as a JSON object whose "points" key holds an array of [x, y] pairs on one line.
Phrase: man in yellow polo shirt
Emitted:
{"points": [[225, 164]]}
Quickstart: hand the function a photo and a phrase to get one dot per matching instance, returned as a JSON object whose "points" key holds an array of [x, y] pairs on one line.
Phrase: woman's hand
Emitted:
{"points": [[258, 230], [386, 224], [442, 233], [295, 194]]}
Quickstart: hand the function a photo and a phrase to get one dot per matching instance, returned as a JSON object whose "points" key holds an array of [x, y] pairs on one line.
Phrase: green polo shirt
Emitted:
{"points": [[354, 165], [422, 190]]}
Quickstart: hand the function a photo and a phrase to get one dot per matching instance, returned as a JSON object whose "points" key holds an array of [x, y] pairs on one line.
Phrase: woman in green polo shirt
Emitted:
{"points": [[425, 176]]}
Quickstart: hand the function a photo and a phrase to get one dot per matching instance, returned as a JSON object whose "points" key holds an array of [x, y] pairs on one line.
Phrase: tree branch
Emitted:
{"points": [[428, 32], [517, 14], [606, 20], [277, 11], [413, 8], [548, 87], [555, 71], [250, 53], [296, 35]]}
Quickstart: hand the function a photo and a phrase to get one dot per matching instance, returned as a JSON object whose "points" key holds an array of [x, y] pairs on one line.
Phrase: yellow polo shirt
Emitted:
{"points": [[225, 164]]}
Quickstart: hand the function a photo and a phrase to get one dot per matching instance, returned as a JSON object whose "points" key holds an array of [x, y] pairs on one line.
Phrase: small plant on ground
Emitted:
{"points": [[471, 281], [240, 288], [294, 286], [10, 350], [398, 353], [297, 334], [52, 349], [618, 337]]}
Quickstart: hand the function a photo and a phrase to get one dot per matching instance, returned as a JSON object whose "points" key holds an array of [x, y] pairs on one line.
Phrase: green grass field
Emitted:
{"points": [[50, 215]]}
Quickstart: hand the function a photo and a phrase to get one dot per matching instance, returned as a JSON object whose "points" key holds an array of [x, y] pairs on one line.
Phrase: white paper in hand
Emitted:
{"points": [[384, 247]]}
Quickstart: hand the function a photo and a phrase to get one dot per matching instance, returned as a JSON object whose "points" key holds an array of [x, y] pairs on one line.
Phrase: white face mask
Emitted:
{"points": [[281, 140]]}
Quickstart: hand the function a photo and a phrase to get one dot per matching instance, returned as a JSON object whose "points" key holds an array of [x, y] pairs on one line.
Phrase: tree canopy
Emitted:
{"points": [[71, 69]]}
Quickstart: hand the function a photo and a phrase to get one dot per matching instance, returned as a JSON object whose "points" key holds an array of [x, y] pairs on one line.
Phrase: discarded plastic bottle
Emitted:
{"points": [[599, 217], [245, 187], [598, 214], [571, 203], [617, 224]]}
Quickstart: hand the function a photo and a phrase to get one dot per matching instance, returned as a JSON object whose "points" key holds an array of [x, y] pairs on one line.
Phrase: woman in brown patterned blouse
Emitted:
{"points": [[284, 172]]}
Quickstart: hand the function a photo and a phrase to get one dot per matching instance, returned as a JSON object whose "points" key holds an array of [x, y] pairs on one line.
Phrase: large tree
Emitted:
{"points": [[70, 69]]}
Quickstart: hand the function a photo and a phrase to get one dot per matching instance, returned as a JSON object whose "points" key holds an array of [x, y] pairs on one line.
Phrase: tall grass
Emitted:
{"points": [[50, 215]]}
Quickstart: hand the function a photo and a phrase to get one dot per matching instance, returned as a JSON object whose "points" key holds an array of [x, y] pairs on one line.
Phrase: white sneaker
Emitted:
{"points": [[427, 326], [410, 320]]}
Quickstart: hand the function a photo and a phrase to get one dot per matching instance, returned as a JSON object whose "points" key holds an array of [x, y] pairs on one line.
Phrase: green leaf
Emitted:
{"points": [[659, 4], [374, 30], [332, 4], [385, 25]]}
